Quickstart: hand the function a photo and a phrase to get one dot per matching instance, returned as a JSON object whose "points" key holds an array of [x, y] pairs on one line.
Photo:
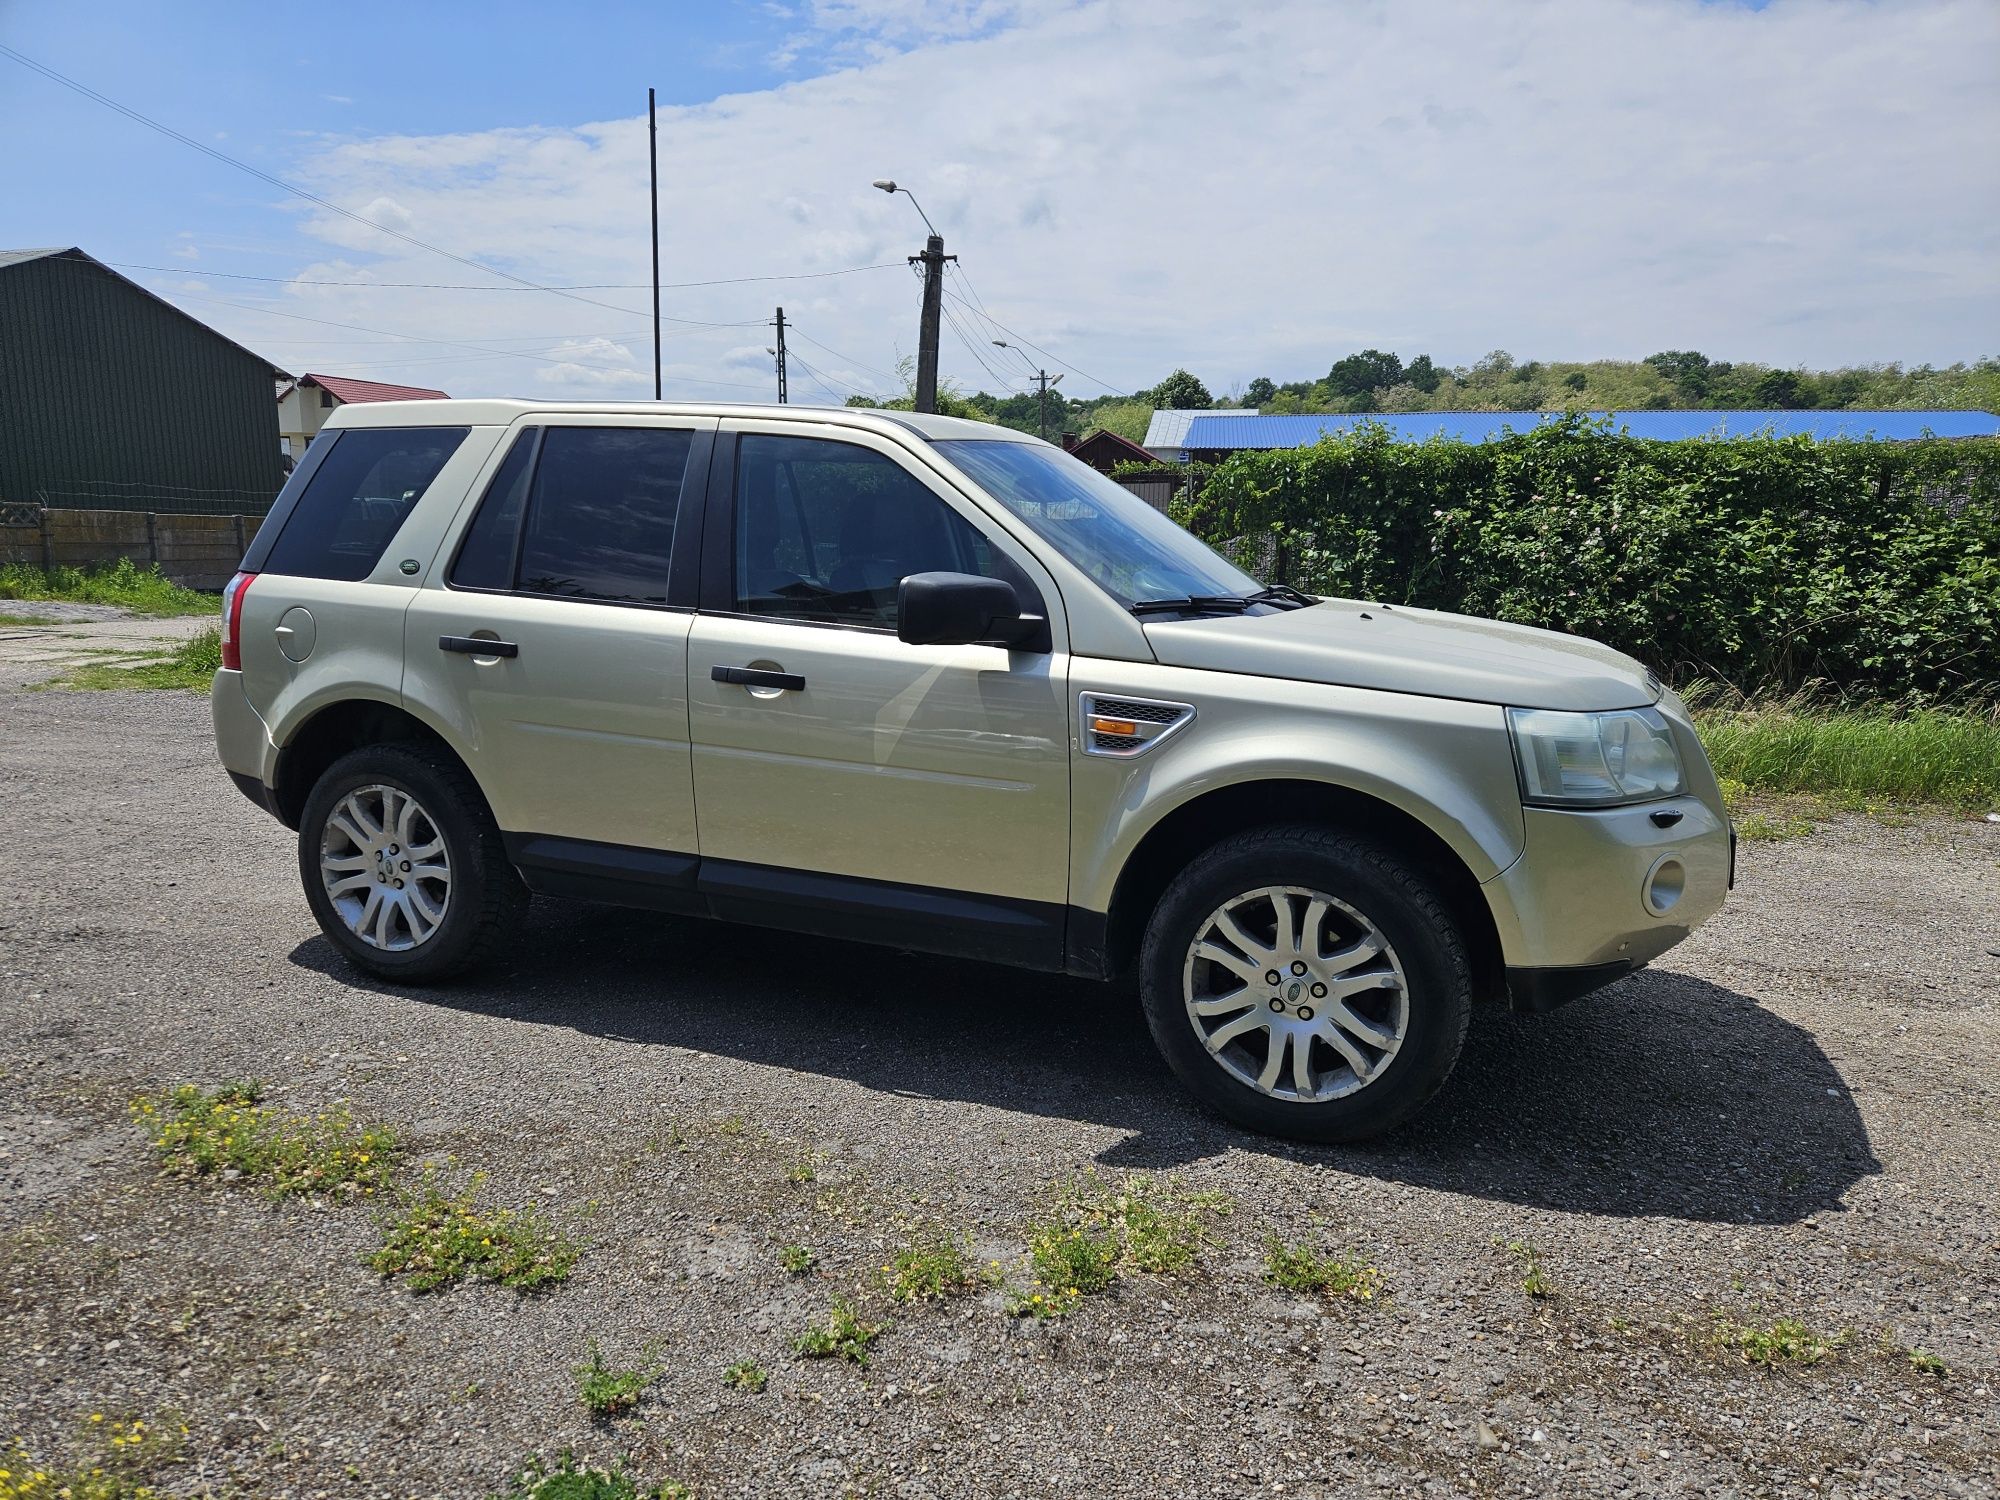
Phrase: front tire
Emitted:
{"points": [[1305, 983], [403, 866]]}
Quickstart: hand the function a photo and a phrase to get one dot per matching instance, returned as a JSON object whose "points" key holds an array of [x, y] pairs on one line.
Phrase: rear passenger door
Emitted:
{"points": [[551, 640]]}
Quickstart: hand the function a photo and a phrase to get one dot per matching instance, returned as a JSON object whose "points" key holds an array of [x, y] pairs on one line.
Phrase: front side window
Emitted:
{"points": [[1131, 550], [358, 499], [588, 515], [828, 531]]}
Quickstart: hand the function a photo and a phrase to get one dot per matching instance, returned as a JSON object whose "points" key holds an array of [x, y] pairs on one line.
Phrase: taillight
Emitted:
{"points": [[232, 621]]}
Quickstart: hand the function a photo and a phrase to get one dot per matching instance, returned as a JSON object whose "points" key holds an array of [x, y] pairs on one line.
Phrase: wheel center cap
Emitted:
{"points": [[1294, 990]]}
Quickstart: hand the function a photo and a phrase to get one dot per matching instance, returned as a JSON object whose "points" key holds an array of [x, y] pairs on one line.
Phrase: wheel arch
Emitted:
{"points": [[1205, 820], [332, 731]]}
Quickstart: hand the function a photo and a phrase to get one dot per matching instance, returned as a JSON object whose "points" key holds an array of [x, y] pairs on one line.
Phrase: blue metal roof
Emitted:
{"points": [[1205, 432]]}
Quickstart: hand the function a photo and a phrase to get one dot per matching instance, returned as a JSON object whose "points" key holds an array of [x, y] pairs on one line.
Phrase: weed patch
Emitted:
{"points": [[933, 1265], [198, 1133], [121, 1460], [1925, 755], [796, 1259], [1299, 1268], [606, 1392], [1534, 1279], [1927, 1364], [190, 665], [746, 1375], [1787, 1341], [569, 1478], [1142, 1223], [144, 591], [439, 1238], [842, 1336]]}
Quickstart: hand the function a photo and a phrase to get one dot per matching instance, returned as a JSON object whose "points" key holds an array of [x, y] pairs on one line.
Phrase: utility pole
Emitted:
{"points": [[933, 260], [780, 352], [1042, 392], [653, 169]]}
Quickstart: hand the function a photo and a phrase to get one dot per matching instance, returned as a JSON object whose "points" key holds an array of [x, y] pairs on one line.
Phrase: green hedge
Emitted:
{"points": [[1770, 564]]}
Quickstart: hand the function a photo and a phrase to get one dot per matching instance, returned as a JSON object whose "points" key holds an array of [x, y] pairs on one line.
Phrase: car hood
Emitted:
{"points": [[1400, 650]]}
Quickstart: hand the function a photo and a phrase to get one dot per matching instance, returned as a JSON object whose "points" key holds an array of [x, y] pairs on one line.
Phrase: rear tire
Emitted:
{"points": [[1313, 944], [404, 867]]}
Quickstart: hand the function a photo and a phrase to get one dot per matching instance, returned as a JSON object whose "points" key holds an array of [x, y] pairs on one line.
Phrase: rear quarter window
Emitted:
{"points": [[357, 501]]}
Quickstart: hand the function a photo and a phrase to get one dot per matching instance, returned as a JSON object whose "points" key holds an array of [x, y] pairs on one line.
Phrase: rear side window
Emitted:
{"points": [[364, 490], [486, 556], [601, 510]]}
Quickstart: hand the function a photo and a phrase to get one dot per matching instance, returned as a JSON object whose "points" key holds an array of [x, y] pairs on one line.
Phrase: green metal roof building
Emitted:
{"points": [[112, 399]]}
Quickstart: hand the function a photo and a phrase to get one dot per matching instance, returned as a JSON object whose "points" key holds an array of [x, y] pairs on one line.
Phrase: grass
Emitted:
{"points": [[1299, 1268], [7, 618], [1920, 755], [797, 1259], [746, 1375], [191, 664], [1927, 1364], [606, 1392], [439, 1238], [843, 1336], [121, 1458], [143, 591], [569, 1478], [1787, 1341], [197, 1134], [933, 1265]]}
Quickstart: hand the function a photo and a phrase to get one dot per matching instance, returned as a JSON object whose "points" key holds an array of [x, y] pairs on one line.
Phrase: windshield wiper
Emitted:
{"points": [[1190, 604], [1283, 593]]}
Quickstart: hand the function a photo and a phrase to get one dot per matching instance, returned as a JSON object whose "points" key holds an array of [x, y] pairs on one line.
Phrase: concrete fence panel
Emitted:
{"points": [[197, 552]]}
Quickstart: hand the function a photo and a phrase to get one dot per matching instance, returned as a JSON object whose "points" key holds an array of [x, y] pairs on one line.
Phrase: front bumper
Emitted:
{"points": [[1599, 892]]}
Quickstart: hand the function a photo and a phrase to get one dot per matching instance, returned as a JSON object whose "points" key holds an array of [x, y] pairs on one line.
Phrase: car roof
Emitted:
{"points": [[502, 411]]}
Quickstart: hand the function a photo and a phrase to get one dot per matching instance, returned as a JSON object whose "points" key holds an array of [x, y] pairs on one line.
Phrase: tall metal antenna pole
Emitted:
{"points": [[653, 164]]}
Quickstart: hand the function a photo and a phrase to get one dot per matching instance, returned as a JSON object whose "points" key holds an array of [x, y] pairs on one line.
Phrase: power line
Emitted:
{"points": [[460, 286], [845, 359], [1052, 359], [298, 192], [820, 380], [975, 351]]}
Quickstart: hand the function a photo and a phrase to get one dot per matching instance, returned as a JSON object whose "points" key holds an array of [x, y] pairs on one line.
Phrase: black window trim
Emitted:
{"points": [[718, 538], [682, 561]]}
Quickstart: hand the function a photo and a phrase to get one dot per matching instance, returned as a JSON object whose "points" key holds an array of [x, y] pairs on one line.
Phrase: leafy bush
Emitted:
{"points": [[1766, 563]]}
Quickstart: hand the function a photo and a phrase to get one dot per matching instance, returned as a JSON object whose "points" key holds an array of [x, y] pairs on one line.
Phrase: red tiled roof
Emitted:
{"points": [[346, 390]]}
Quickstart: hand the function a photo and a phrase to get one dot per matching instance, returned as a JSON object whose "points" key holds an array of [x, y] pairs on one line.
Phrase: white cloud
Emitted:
{"points": [[1136, 184]]}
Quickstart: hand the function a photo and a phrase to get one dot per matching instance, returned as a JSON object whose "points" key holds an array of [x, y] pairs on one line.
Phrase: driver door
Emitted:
{"points": [[856, 784]]}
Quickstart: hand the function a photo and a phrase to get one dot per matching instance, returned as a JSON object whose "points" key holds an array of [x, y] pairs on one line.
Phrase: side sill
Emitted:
{"points": [[1535, 991], [581, 870]]}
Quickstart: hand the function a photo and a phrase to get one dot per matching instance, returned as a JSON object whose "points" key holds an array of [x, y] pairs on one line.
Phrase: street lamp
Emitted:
{"points": [[933, 260], [1041, 400]]}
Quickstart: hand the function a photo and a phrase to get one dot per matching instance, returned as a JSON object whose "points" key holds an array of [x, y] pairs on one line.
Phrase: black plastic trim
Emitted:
{"points": [[286, 502], [1533, 991], [791, 682], [963, 924], [254, 788], [474, 645]]}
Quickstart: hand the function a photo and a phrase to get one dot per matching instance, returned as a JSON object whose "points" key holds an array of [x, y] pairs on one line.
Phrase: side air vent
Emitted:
{"points": [[1124, 727]]}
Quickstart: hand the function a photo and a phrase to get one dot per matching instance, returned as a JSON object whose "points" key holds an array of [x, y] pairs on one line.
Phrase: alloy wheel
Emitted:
{"points": [[385, 868]]}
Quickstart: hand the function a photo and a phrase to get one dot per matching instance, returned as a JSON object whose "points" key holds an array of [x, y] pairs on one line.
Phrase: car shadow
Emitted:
{"points": [[1664, 1095]]}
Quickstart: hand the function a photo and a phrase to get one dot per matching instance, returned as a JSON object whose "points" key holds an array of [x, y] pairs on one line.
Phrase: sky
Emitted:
{"points": [[1241, 189]]}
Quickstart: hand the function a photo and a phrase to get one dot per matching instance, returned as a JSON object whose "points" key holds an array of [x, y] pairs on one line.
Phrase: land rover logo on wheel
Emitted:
{"points": [[1292, 990]]}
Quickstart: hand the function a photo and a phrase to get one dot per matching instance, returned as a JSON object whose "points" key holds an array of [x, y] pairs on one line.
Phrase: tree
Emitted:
{"points": [[1258, 391], [1422, 374], [1576, 380], [1687, 368], [1782, 389], [1180, 391], [1365, 373]]}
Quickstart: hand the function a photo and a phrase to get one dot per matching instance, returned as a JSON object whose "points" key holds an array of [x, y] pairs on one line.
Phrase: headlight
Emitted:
{"points": [[1594, 760]]}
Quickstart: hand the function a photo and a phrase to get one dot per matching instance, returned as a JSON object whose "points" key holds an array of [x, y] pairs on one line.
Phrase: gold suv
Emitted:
{"points": [[934, 684]]}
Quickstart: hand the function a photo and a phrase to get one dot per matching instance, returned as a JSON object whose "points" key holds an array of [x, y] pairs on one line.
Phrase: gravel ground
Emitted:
{"points": [[1795, 1114]]}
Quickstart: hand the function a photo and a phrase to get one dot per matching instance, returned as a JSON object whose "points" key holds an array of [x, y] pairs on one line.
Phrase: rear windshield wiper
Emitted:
{"points": [[1192, 604]]}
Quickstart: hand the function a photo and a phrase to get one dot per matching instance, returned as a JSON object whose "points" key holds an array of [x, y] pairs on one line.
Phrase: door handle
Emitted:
{"points": [[758, 677], [476, 645]]}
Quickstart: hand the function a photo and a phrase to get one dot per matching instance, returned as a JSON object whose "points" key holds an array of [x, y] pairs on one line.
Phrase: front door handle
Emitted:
{"points": [[477, 645], [758, 677]]}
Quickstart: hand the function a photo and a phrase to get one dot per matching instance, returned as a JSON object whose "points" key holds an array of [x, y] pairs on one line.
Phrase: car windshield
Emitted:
{"points": [[1132, 551]]}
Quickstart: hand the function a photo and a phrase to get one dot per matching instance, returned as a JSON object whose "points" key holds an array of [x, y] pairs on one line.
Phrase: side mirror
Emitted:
{"points": [[959, 609]]}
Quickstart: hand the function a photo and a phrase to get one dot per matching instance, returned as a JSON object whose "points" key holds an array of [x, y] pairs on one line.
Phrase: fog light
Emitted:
{"points": [[1663, 885]]}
